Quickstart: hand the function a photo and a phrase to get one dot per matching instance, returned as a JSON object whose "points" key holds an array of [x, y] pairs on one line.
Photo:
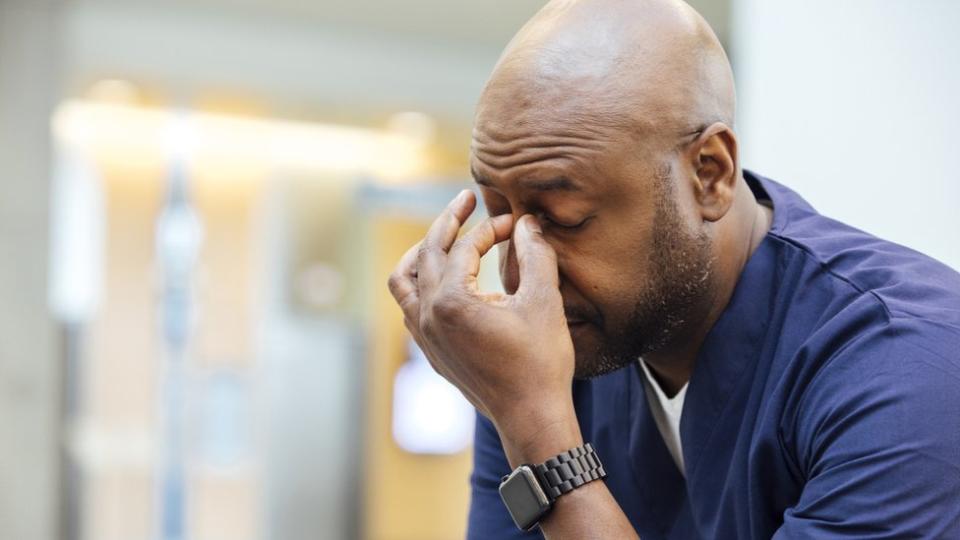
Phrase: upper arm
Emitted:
{"points": [[878, 439], [488, 516]]}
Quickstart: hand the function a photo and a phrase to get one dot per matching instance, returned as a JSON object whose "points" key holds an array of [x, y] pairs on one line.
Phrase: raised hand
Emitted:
{"points": [[510, 354]]}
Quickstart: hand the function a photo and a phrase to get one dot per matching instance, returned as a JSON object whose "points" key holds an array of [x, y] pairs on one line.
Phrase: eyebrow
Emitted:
{"points": [[559, 183]]}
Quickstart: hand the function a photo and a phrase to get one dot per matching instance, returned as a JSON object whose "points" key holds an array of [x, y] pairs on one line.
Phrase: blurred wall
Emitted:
{"points": [[854, 104], [407, 496], [29, 374], [291, 55]]}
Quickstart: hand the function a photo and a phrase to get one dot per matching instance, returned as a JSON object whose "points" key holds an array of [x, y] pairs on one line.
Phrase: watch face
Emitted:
{"points": [[524, 498]]}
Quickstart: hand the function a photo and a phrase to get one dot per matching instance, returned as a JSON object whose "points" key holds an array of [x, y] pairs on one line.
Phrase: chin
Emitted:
{"points": [[585, 338], [589, 361], [595, 354]]}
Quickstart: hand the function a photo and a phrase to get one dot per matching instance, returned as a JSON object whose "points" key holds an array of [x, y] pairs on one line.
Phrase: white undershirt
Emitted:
{"points": [[666, 414]]}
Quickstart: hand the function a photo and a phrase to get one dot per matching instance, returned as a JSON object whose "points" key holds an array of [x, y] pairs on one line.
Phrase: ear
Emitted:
{"points": [[714, 158]]}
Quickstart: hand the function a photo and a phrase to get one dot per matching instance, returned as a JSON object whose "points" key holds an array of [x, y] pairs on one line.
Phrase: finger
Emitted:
{"points": [[536, 259], [442, 233], [463, 262], [403, 284]]}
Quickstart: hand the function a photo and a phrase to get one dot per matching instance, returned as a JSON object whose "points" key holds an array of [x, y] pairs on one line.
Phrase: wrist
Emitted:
{"points": [[536, 433]]}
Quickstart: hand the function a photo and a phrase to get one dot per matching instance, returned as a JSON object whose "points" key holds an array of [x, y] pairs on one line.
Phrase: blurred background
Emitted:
{"points": [[202, 200]]}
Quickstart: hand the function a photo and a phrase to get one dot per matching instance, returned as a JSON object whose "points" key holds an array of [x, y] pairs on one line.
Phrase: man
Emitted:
{"points": [[817, 368]]}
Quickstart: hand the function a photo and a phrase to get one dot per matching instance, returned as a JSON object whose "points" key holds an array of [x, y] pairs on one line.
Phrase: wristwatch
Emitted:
{"points": [[530, 490]]}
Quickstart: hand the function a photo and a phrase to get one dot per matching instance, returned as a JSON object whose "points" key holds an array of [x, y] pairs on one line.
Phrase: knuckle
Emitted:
{"points": [[489, 227], [447, 308], [424, 248], [429, 245], [485, 230], [427, 326], [407, 304], [460, 244], [393, 282]]}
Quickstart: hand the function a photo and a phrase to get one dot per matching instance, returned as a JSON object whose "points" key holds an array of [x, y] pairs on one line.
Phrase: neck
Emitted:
{"points": [[737, 239]]}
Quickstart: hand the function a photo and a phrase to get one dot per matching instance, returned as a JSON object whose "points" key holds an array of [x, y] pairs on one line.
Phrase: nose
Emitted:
{"points": [[509, 269]]}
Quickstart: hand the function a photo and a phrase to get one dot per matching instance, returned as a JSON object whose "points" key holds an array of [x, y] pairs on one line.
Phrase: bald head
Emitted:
{"points": [[611, 122], [654, 66]]}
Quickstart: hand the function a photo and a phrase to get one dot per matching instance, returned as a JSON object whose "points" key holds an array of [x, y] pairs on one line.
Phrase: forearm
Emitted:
{"points": [[587, 512]]}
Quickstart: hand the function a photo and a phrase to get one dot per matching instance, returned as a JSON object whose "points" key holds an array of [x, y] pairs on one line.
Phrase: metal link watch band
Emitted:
{"points": [[569, 470]]}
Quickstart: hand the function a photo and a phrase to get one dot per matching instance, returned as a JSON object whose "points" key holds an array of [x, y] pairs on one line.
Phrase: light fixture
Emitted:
{"points": [[134, 134], [114, 91]]}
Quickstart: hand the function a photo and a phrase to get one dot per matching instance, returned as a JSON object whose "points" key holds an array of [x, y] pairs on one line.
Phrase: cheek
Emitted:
{"points": [[610, 285], [590, 286]]}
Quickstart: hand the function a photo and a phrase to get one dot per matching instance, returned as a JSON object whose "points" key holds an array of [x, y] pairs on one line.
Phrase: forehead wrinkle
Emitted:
{"points": [[511, 167], [531, 156], [539, 119], [516, 146], [512, 150], [576, 123], [517, 151], [557, 183]]}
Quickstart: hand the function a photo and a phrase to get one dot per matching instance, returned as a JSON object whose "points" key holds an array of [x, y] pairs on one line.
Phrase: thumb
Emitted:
{"points": [[536, 259]]}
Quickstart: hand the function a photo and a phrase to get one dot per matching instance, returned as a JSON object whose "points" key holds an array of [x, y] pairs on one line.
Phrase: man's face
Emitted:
{"points": [[634, 264]]}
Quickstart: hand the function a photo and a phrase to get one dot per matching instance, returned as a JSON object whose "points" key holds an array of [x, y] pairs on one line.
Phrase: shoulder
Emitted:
{"points": [[838, 285], [870, 339], [904, 282]]}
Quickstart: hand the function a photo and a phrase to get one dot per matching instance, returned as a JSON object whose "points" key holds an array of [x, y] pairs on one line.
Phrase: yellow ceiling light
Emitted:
{"points": [[114, 91], [413, 124], [130, 133]]}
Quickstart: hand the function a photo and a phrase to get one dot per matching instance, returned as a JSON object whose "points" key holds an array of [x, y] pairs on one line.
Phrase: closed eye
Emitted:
{"points": [[564, 226]]}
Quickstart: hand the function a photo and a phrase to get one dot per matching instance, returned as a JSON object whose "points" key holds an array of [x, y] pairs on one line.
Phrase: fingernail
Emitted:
{"points": [[462, 197], [533, 225]]}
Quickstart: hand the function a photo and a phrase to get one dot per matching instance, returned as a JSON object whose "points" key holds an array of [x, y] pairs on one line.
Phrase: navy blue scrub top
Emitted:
{"points": [[825, 402]]}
